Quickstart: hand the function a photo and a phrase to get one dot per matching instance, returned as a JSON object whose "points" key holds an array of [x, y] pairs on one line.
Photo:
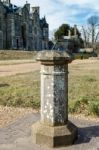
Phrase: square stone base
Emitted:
{"points": [[54, 136]]}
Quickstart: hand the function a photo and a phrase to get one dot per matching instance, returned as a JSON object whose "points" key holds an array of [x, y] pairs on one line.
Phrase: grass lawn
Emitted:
{"points": [[84, 88], [23, 90]]}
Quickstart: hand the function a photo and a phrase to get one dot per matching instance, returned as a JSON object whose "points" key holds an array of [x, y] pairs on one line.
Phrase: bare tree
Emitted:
{"points": [[93, 23], [90, 33], [86, 36]]}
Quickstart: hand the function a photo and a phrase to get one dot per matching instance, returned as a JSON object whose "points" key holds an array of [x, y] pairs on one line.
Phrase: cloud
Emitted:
{"points": [[64, 11]]}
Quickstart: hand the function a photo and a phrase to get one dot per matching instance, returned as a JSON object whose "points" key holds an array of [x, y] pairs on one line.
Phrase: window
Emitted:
{"points": [[30, 28], [45, 32], [0, 24], [17, 28], [35, 30]]}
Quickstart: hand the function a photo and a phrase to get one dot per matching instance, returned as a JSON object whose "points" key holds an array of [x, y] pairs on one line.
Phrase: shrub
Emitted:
{"points": [[85, 105], [78, 106], [89, 78], [82, 55], [94, 107]]}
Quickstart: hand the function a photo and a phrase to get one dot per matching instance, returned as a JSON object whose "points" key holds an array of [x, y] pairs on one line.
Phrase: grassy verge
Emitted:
{"points": [[23, 90], [16, 55]]}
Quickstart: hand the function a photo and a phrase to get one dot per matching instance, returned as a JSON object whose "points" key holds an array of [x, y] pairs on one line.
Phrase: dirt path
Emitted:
{"points": [[7, 70]]}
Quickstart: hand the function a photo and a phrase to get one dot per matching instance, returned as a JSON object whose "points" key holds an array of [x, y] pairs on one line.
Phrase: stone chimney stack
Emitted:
{"points": [[36, 13], [75, 30], [27, 6], [36, 9], [69, 33], [7, 2]]}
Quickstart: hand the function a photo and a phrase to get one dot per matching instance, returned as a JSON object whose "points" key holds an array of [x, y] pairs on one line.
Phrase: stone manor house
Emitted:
{"points": [[22, 28]]}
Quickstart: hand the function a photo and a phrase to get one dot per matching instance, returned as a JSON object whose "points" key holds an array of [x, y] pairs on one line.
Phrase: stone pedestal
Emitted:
{"points": [[54, 129]]}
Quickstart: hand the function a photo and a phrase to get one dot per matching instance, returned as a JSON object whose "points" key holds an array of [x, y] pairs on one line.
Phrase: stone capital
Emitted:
{"points": [[53, 57]]}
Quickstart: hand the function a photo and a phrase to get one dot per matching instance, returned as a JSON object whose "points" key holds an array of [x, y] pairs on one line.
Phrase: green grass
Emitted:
{"points": [[16, 55], [83, 55], [84, 94], [23, 90]]}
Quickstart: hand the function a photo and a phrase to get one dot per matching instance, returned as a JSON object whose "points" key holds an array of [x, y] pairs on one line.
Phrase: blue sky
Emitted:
{"points": [[64, 11]]}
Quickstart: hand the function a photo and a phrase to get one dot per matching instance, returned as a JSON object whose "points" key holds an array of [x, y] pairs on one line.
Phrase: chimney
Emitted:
{"points": [[36, 9], [27, 6], [69, 33], [7, 2], [75, 30]]}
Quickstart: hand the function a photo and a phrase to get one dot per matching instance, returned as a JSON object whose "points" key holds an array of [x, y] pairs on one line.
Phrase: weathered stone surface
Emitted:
{"points": [[52, 55], [53, 94], [54, 136], [54, 129]]}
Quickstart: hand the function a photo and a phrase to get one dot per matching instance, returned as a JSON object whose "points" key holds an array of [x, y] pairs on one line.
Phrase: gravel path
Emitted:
{"points": [[17, 136]]}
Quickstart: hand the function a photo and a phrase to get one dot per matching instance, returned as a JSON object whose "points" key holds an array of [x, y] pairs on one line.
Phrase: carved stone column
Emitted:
{"points": [[54, 129]]}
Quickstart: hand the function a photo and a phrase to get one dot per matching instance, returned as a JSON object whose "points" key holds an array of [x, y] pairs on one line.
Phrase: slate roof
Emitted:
{"points": [[10, 8]]}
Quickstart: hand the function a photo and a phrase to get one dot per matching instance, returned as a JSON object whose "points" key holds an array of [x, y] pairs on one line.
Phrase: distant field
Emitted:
{"points": [[16, 55], [23, 90]]}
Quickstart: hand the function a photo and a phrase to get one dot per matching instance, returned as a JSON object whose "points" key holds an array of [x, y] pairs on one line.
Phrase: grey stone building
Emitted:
{"points": [[22, 28]]}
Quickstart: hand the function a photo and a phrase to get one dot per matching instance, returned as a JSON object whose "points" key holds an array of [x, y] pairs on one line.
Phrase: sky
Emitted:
{"points": [[58, 12]]}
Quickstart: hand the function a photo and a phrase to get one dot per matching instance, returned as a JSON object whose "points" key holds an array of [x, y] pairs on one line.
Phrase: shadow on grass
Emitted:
{"points": [[4, 85]]}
